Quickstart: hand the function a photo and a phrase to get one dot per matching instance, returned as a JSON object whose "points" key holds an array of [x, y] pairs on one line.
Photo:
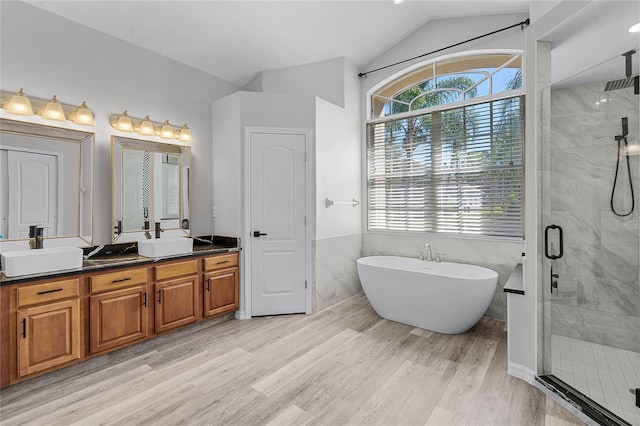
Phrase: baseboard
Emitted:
{"points": [[242, 315], [521, 372]]}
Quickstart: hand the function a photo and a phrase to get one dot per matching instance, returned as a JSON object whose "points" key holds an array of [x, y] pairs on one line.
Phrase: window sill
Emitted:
{"points": [[449, 236]]}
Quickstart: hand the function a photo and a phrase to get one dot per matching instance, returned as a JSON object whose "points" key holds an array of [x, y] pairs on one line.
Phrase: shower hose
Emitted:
{"points": [[615, 179]]}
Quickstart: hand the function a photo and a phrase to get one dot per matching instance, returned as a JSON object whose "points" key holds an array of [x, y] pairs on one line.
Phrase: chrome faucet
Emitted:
{"points": [[36, 237], [158, 230], [428, 256]]}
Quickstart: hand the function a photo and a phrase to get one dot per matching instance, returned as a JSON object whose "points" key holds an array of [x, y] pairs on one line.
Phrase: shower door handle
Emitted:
{"points": [[546, 242]]}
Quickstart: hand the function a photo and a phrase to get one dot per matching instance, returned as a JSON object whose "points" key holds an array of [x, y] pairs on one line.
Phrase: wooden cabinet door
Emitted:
{"points": [[220, 291], [176, 303], [48, 336], [118, 317]]}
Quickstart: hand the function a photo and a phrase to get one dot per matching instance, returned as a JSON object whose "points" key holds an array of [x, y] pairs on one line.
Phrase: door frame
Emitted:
{"points": [[245, 278]]}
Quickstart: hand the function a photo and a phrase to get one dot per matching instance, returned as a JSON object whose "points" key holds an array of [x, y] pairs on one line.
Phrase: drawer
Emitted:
{"points": [[221, 262], [174, 270], [117, 280], [48, 292]]}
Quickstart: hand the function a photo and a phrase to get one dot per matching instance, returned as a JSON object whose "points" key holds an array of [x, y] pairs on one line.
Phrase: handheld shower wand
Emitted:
{"points": [[623, 138]]}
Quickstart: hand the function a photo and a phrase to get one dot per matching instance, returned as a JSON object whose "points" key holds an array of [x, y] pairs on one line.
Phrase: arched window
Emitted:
{"points": [[444, 148], [448, 81]]}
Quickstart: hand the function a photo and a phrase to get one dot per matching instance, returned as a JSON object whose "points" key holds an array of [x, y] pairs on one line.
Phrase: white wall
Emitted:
{"points": [[338, 159], [255, 85], [537, 9], [338, 130], [338, 175], [53, 55], [226, 165], [230, 116], [324, 79]]}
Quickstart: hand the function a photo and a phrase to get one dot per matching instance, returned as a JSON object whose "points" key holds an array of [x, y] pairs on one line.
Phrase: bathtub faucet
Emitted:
{"points": [[428, 256]]}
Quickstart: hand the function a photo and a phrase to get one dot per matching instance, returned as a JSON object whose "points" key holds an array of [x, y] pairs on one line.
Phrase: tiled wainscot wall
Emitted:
{"points": [[335, 274]]}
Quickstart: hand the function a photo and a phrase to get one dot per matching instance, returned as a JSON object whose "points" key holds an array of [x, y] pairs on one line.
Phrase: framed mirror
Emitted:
{"points": [[150, 183], [46, 179]]}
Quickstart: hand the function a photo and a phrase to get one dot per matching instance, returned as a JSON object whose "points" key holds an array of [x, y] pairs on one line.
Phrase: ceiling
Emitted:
{"points": [[588, 46], [235, 40]]}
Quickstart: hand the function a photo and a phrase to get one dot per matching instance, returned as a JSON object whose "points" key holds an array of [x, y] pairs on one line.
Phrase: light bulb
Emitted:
{"points": [[53, 110], [635, 28], [124, 123], [19, 104], [166, 131], [185, 134], [84, 116], [146, 127]]}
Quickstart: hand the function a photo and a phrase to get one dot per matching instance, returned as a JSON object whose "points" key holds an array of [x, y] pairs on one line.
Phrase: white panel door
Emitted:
{"points": [[278, 188], [33, 193]]}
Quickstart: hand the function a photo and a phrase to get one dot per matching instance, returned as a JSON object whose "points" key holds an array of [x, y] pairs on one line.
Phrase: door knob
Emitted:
{"points": [[258, 234]]}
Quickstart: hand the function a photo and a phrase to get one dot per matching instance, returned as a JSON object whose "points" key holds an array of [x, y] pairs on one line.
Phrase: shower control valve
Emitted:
{"points": [[554, 281]]}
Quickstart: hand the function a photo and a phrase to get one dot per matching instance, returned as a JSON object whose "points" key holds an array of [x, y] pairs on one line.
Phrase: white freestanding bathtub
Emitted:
{"points": [[443, 297]]}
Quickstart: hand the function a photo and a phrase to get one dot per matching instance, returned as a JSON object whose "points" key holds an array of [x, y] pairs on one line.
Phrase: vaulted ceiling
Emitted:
{"points": [[235, 40]]}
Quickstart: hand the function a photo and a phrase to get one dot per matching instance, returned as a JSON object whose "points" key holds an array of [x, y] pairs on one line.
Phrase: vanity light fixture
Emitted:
{"points": [[53, 110], [397, 1], [123, 122], [185, 134], [19, 104], [146, 127], [83, 115]]}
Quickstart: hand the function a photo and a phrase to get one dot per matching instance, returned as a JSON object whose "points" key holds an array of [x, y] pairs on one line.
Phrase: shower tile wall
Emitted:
{"points": [[335, 274], [599, 284]]}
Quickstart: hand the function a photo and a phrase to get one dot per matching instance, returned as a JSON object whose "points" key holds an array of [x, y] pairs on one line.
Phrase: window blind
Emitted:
{"points": [[452, 171]]}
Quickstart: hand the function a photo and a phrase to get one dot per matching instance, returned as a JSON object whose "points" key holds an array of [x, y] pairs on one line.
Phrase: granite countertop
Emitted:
{"points": [[123, 255]]}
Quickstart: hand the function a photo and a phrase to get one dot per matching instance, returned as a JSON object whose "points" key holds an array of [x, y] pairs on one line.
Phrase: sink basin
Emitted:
{"points": [[165, 247], [28, 262]]}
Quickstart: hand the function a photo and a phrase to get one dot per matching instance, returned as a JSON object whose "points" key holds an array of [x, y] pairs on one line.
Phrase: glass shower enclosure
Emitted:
{"points": [[590, 286]]}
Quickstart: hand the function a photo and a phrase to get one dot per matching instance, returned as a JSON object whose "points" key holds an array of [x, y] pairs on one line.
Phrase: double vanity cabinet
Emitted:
{"points": [[52, 322]]}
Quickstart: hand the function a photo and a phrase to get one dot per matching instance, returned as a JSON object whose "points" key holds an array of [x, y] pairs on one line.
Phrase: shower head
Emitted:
{"points": [[623, 83], [627, 82]]}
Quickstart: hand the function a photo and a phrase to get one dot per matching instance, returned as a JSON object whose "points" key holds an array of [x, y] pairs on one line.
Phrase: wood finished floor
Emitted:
{"points": [[344, 365]]}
